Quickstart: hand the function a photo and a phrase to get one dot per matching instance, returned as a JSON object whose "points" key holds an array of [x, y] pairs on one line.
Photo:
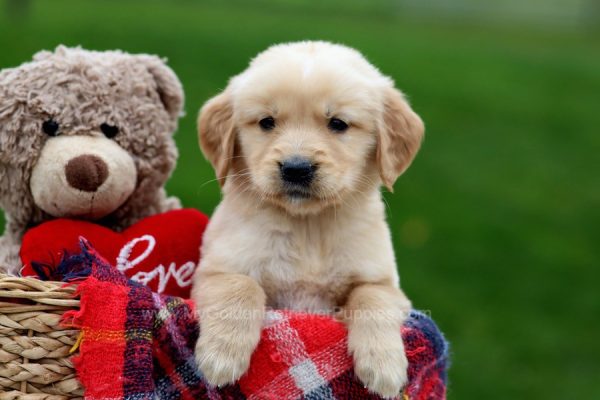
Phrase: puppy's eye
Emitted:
{"points": [[50, 127], [267, 124], [337, 125], [110, 131]]}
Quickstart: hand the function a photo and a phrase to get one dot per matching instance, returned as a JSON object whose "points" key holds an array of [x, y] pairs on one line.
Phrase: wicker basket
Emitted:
{"points": [[35, 351]]}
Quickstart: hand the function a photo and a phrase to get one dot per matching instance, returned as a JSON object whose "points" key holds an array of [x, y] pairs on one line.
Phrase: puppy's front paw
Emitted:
{"points": [[381, 366], [223, 360]]}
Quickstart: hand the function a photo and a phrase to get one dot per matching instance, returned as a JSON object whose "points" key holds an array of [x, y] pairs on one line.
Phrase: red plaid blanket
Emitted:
{"points": [[139, 345]]}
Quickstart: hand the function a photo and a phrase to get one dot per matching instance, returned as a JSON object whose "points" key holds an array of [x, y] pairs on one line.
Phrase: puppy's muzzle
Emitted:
{"points": [[297, 171]]}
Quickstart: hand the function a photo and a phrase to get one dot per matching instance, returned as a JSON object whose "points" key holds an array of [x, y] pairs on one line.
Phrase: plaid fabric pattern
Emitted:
{"points": [[140, 345]]}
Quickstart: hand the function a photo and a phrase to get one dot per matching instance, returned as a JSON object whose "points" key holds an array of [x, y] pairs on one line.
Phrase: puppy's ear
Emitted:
{"points": [[216, 133], [400, 134], [168, 85]]}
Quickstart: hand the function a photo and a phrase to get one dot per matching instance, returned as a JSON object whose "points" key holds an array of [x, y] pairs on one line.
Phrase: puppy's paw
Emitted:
{"points": [[381, 366], [223, 360]]}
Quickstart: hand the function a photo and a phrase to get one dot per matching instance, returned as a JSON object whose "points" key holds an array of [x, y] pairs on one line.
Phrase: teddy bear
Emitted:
{"points": [[85, 135]]}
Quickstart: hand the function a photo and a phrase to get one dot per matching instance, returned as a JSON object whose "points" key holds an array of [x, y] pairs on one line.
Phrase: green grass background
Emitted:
{"points": [[496, 225]]}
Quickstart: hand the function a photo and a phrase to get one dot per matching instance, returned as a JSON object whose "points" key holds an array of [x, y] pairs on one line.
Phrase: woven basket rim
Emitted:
{"points": [[35, 349], [45, 292]]}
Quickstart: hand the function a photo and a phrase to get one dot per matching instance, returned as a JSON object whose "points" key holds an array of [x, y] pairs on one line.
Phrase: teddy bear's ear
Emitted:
{"points": [[167, 84]]}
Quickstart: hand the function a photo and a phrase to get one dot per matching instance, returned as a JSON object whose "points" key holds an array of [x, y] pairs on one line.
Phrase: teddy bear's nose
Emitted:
{"points": [[86, 172]]}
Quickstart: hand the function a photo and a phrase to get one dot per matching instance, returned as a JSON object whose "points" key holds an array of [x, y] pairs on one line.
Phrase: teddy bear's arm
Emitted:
{"points": [[171, 203], [10, 261]]}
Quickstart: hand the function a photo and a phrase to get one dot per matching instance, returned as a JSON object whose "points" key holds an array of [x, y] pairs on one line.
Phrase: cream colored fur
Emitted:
{"points": [[53, 194], [331, 252]]}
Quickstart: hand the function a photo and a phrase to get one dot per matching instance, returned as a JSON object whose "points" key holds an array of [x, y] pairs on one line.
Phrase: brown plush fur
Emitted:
{"points": [[81, 90]]}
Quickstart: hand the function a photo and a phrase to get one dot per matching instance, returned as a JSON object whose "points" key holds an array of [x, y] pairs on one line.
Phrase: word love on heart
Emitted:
{"points": [[182, 275]]}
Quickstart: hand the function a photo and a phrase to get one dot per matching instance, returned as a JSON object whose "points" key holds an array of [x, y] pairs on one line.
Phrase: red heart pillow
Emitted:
{"points": [[161, 251]]}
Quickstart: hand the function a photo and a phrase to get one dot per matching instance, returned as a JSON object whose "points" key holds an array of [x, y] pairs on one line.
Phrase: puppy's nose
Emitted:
{"points": [[86, 172], [297, 170]]}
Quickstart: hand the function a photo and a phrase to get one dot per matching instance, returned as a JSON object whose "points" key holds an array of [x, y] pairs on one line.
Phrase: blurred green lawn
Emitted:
{"points": [[496, 225]]}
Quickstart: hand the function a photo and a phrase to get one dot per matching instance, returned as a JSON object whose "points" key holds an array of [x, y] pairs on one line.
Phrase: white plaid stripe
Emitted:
{"points": [[293, 353], [159, 304], [280, 381], [166, 317]]}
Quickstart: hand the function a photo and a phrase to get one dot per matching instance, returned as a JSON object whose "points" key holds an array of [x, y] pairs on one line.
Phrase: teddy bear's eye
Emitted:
{"points": [[110, 131], [50, 127]]}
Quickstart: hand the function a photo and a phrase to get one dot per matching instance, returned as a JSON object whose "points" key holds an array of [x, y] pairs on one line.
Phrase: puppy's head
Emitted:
{"points": [[309, 125]]}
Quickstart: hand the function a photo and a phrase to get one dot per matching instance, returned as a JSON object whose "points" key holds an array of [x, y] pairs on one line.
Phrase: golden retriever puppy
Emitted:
{"points": [[301, 142]]}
